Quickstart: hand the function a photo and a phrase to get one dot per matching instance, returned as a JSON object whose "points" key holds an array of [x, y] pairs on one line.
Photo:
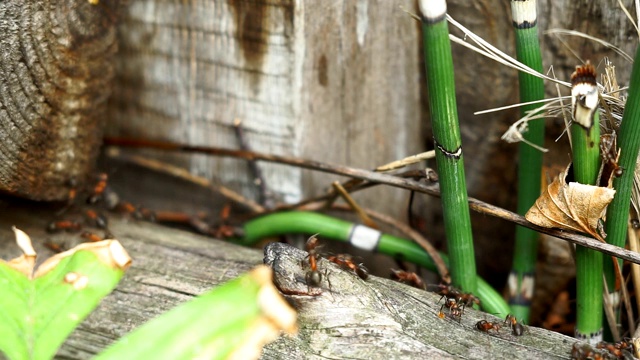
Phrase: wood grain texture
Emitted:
{"points": [[55, 75], [310, 79], [373, 319]]}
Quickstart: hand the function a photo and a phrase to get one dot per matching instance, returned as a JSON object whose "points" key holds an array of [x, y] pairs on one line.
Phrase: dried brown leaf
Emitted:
{"points": [[25, 262], [571, 206]]}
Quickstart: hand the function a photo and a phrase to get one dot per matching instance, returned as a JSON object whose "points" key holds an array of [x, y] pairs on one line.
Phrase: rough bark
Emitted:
{"points": [[55, 75], [374, 319]]}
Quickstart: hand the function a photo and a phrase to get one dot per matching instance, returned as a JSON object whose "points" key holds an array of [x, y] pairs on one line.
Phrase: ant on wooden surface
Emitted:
{"points": [[485, 326], [584, 351], [98, 189], [346, 262], [455, 310], [408, 278], [64, 225], [621, 349], [517, 328], [313, 277], [450, 292]]}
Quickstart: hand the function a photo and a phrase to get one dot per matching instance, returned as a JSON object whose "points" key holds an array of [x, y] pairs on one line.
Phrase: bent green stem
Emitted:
{"points": [[302, 222]]}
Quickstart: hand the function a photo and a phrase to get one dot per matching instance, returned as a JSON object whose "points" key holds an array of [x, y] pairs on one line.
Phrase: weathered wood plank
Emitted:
{"points": [[376, 319], [314, 79]]}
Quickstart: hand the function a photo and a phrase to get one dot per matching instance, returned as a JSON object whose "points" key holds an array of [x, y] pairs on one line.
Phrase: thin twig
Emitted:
{"points": [[183, 174], [610, 315], [407, 161], [430, 189], [258, 178], [366, 220]]}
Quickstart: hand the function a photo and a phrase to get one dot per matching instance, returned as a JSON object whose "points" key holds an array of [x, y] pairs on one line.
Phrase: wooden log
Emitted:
{"points": [[55, 76], [374, 319]]}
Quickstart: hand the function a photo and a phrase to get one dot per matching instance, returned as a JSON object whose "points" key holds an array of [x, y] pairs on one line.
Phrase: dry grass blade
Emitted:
{"points": [[490, 51], [592, 38]]}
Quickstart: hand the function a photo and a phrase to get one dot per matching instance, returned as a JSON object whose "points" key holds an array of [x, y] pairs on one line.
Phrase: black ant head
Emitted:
{"points": [[313, 278]]}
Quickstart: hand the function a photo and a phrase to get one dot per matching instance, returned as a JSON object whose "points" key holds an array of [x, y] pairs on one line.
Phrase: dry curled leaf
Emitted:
{"points": [[571, 206], [109, 252]]}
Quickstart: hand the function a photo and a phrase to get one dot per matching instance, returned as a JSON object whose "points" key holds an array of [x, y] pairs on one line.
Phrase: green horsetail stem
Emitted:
{"points": [[629, 143], [446, 136], [585, 139], [521, 278]]}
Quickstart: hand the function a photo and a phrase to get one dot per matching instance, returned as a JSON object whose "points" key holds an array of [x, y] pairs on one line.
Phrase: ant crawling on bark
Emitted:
{"points": [[517, 328], [621, 350], [409, 278], [584, 351], [485, 326], [345, 261], [98, 189], [64, 225], [450, 292], [455, 310], [313, 277]]}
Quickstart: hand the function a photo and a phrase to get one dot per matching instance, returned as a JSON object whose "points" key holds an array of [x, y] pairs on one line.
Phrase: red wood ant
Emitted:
{"points": [[56, 248], [449, 292], [409, 278], [485, 326], [517, 328], [584, 351], [619, 349], [98, 189], [455, 310], [64, 225], [91, 236], [345, 261], [96, 219], [313, 277]]}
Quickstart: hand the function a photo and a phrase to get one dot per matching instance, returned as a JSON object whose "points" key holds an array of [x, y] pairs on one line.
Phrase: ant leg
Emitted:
{"points": [[326, 276]]}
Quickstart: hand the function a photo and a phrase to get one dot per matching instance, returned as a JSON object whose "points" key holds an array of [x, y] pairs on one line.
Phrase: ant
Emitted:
{"points": [[409, 278], [619, 349], [449, 292], [91, 237], [66, 225], [517, 328], [98, 189], [313, 277], [94, 218], [455, 310], [583, 351], [345, 261], [55, 247], [485, 326], [610, 154]]}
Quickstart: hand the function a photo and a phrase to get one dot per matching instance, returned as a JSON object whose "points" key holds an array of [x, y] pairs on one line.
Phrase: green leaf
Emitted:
{"points": [[236, 318], [38, 313]]}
